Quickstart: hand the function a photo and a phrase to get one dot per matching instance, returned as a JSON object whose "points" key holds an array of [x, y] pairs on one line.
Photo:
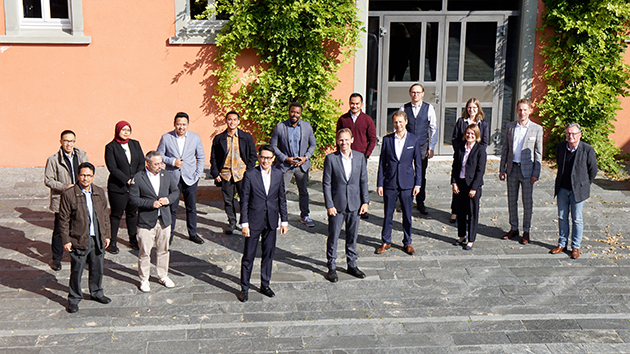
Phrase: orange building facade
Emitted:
{"points": [[139, 61]]}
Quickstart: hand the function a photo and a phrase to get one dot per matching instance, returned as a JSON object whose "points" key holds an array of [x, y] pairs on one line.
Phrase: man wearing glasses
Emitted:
{"points": [[577, 168], [61, 173], [85, 233], [423, 123]]}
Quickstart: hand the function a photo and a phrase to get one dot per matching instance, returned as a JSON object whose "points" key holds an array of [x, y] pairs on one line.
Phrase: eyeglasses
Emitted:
{"points": [[86, 176], [416, 92], [573, 134], [266, 158]]}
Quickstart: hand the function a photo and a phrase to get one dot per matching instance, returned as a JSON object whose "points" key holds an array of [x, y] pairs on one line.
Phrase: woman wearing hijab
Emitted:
{"points": [[469, 166], [124, 158], [472, 114]]}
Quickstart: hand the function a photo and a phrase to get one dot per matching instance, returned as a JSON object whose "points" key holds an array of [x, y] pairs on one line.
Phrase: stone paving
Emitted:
{"points": [[501, 297]]}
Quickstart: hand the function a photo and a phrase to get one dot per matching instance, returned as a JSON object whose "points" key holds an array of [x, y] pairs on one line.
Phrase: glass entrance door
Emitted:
{"points": [[454, 58]]}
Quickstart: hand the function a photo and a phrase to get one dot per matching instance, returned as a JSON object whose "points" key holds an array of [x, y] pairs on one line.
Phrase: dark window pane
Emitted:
{"points": [[480, 49], [418, 5], [404, 51], [475, 5], [32, 8], [430, 55], [450, 117], [390, 124], [371, 99], [59, 9], [454, 41], [197, 7]]}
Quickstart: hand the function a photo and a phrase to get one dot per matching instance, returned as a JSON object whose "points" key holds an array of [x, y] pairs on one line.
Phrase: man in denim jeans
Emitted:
{"points": [[577, 168]]}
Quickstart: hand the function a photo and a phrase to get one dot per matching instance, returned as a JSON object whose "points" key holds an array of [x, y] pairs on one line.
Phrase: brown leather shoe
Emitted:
{"points": [[575, 253], [510, 234], [409, 250], [383, 248], [525, 239], [557, 250]]}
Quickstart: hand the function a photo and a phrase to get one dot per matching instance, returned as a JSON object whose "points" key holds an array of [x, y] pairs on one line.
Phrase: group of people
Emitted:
{"points": [[147, 188]]}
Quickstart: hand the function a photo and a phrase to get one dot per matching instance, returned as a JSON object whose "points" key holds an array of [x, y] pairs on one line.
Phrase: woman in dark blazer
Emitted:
{"points": [[469, 166], [124, 158], [472, 114]]}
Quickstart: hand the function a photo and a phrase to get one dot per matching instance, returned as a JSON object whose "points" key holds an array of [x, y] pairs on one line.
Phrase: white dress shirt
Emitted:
{"points": [[181, 140], [462, 171], [125, 147], [347, 164], [399, 144], [155, 183], [520, 132]]}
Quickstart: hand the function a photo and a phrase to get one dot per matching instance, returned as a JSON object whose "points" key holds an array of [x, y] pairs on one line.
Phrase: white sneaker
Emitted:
{"points": [[307, 221], [144, 286], [167, 282]]}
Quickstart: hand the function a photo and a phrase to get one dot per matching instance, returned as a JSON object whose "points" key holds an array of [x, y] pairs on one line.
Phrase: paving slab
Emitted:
{"points": [[501, 297]]}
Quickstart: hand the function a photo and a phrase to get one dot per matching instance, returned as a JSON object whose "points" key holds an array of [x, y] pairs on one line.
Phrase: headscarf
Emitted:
{"points": [[117, 130]]}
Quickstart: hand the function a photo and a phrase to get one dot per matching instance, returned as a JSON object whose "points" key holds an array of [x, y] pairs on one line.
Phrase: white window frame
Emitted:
{"points": [[191, 31], [43, 30]]}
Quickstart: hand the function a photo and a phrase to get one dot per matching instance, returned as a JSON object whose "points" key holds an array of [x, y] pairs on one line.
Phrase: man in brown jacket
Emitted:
{"points": [[61, 173], [85, 232]]}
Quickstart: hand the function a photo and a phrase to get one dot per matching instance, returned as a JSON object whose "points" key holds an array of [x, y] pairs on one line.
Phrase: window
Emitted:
{"points": [[188, 30], [44, 21]]}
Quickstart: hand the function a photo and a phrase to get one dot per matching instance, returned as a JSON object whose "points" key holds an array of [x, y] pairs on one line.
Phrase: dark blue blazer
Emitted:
{"points": [[460, 128], [404, 173], [475, 165], [255, 204]]}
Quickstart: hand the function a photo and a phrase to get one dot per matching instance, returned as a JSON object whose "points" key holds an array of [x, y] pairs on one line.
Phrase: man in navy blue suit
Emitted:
{"points": [[399, 176], [262, 201]]}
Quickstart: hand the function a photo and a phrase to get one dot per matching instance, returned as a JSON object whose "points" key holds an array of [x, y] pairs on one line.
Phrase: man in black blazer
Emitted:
{"points": [[345, 184], [577, 168], [263, 200], [399, 176], [233, 152], [153, 191]]}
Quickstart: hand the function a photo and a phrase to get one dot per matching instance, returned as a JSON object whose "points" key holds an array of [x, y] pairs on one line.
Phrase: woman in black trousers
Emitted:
{"points": [[469, 166], [472, 114], [124, 158]]}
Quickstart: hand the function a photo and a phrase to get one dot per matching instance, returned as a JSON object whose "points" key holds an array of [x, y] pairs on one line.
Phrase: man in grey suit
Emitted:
{"points": [[577, 168], [182, 152], [345, 184], [152, 191], [521, 159], [294, 143]]}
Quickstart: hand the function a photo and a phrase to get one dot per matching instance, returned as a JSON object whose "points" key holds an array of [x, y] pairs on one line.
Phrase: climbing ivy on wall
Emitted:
{"points": [[583, 44], [301, 45]]}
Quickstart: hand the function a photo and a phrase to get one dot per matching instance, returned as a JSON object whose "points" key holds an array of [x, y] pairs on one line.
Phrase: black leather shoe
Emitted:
{"points": [[355, 272], [72, 308], [423, 210], [265, 290], [55, 265], [134, 245], [103, 299], [196, 239], [332, 276], [243, 296], [112, 249]]}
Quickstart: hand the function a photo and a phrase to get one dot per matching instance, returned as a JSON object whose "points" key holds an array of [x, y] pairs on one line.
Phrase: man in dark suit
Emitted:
{"points": [[422, 122], [84, 229], [294, 143], [399, 176], [233, 152], [345, 184], [153, 191], [263, 200], [577, 168]]}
